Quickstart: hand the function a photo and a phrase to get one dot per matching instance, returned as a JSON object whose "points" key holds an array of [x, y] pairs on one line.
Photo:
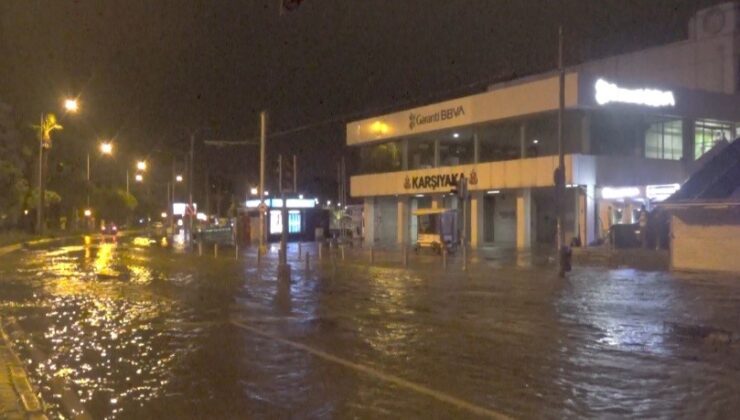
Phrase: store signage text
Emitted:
{"points": [[444, 114], [437, 181], [432, 181], [607, 92]]}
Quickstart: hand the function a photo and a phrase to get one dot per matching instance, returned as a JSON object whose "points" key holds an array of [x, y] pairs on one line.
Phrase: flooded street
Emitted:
{"points": [[141, 332]]}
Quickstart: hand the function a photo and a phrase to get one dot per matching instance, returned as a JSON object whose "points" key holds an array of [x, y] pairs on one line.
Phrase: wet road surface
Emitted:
{"points": [[141, 332]]}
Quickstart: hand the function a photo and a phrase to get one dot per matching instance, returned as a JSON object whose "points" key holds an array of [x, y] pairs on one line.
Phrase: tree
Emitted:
{"points": [[113, 204], [14, 157]]}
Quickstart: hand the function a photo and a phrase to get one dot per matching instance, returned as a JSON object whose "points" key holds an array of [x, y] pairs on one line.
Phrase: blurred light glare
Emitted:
{"points": [[139, 177], [141, 165], [254, 191], [178, 178], [106, 148], [71, 105]]}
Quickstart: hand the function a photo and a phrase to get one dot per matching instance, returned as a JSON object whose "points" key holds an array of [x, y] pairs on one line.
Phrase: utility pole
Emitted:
{"points": [[263, 140], [172, 198], [560, 172], [191, 210], [41, 199], [88, 180], [295, 174]]}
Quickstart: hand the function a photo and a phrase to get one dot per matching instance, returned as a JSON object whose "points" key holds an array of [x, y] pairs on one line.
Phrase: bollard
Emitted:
{"points": [[444, 257], [308, 260], [259, 256], [236, 251], [200, 249], [215, 250], [465, 258], [372, 255], [300, 252], [342, 249], [405, 256], [321, 253]]}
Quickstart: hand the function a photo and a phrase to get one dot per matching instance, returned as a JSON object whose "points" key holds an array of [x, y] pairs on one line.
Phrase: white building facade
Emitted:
{"points": [[633, 127]]}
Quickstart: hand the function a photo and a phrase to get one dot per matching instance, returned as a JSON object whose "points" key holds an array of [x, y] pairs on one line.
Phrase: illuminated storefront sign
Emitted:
{"points": [[417, 119], [291, 203], [607, 92], [432, 182], [612, 193], [660, 192]]}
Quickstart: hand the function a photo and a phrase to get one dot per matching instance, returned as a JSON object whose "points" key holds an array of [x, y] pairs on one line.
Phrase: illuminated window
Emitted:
{"points": [[276, 222], [708, 133], [664, 140]]}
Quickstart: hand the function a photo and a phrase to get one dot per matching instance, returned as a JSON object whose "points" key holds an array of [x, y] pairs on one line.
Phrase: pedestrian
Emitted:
{"points": [[643, 219]]}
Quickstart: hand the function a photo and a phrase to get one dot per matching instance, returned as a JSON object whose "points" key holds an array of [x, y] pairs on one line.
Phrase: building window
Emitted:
{"points": [[664, 140], [421, 153], [500, 141], [378, 158], [294, 221], [708, 133], [456, 150]]}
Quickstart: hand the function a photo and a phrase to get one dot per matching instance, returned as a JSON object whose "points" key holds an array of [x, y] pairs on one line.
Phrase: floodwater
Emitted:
{"points": [[141, 332]]}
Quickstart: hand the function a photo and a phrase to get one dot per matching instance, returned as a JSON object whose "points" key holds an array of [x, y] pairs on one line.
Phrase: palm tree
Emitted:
{"points": [[48, 124]]}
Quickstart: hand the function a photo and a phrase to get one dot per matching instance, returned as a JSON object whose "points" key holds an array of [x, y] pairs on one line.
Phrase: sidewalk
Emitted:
{"points": [[18, 398]]}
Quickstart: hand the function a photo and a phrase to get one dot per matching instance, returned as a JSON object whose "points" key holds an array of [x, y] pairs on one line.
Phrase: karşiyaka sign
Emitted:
{"points": [[432, 182]]}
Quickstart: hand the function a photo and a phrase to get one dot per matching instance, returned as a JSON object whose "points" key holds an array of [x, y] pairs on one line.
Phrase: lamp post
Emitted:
{"points": [[47, 124]]}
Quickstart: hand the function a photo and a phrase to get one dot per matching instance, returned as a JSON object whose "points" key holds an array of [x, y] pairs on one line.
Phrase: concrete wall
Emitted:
{"points": [[706, 241]]}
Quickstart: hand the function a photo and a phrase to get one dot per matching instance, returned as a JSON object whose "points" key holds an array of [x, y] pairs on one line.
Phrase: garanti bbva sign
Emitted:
{"points": [[444, 114]]}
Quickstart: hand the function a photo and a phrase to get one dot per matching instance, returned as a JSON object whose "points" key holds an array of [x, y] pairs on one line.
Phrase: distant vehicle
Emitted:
{"points": [[109, 229]]}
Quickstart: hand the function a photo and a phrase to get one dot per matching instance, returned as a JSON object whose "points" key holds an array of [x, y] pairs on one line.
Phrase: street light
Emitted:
{"points": [[178, 178], [88, 212], [47, 124], [139, 177], [141, 165], [106, 148], [254, 191], [71, 105]]}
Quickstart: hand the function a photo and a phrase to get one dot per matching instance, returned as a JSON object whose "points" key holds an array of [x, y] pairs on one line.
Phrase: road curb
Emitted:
{"points": [[14, 376]]}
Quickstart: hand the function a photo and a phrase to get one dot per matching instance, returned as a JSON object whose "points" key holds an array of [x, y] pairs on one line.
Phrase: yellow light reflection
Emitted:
{"points": [[379, 128]]}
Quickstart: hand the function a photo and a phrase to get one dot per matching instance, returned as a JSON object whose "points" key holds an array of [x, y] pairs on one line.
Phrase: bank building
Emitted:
{"points": [[635, 126]]}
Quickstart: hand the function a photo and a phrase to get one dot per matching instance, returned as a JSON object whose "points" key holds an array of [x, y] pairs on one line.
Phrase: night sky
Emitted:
{"points": [[147, 71]]}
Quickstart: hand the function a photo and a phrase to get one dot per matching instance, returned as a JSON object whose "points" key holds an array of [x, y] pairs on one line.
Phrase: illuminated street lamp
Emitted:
{"points": [[88, 212], [164, 215], [141, 165], [106, 148], [178, 178], [254, 191], [139, 177], [71, 105]]}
